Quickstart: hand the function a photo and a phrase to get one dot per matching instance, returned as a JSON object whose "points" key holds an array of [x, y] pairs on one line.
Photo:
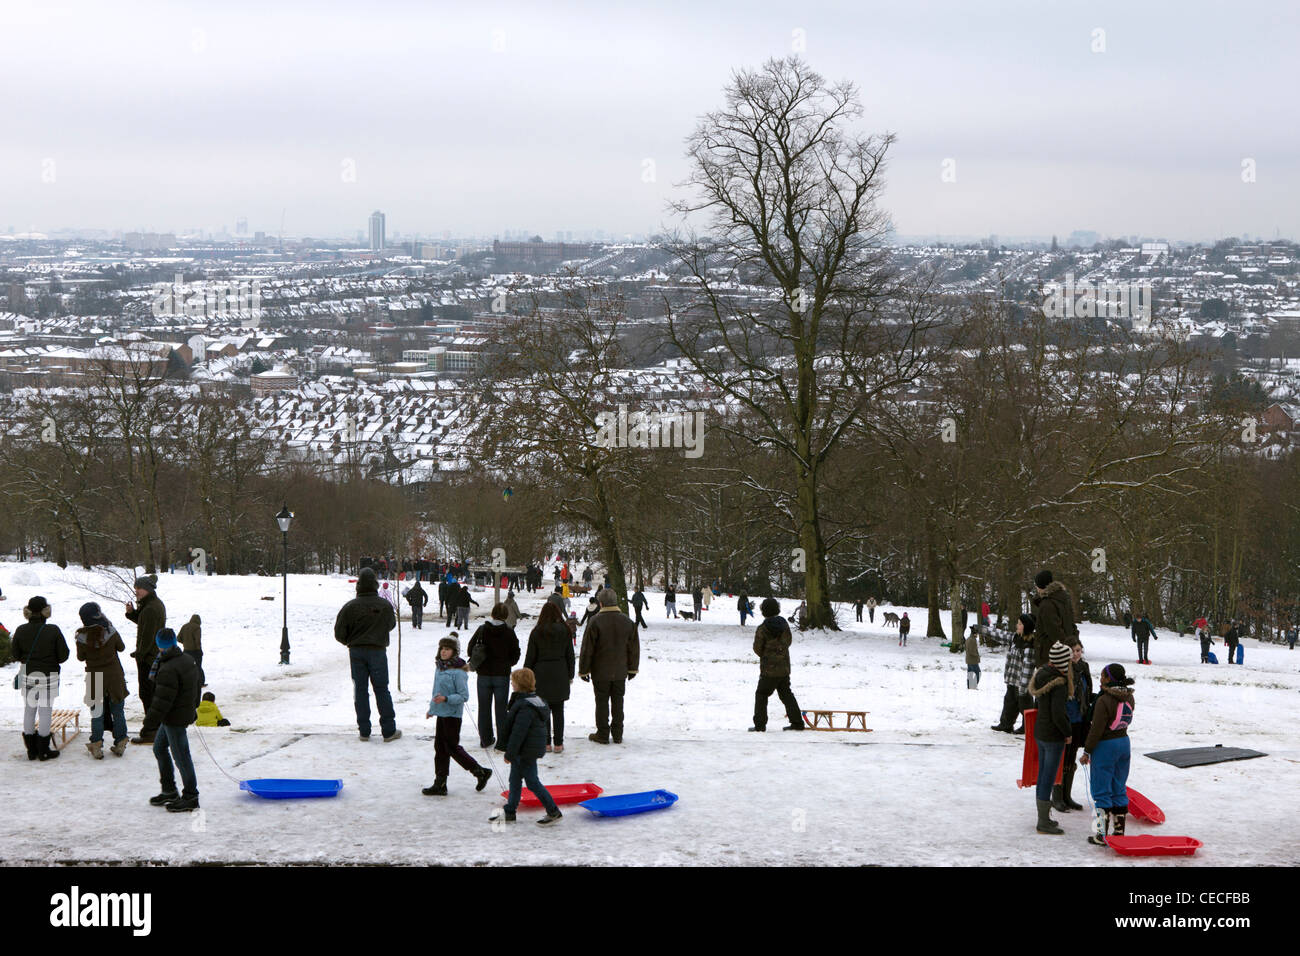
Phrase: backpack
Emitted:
{"points": [[478, 654]]}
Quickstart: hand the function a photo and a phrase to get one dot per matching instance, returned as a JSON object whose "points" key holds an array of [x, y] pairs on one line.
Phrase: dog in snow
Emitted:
{"points": [[891, 619]]}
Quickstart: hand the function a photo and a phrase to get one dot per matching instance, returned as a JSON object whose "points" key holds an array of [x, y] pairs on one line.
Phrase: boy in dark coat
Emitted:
{"points": [[149, 617], [418, 598], [611, 651], [639, 603], [772, 641], [1051, 688], [525, 735], [362, 626], [176, 691]]}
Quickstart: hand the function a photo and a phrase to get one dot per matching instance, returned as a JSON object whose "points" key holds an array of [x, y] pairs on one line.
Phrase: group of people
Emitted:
{"points": [[169, 683]]}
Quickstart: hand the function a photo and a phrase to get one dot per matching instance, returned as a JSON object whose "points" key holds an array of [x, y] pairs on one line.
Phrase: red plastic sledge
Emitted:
{"points": [[1149, 845], [1140, 808], [560, 793], [1029, 771]]}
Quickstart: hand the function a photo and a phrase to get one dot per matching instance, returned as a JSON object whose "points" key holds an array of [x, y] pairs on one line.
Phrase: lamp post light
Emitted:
{"points": [[283, 519]]}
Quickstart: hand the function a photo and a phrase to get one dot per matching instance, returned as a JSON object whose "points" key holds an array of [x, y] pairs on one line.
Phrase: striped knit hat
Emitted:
{"points": [[1059, 655]]}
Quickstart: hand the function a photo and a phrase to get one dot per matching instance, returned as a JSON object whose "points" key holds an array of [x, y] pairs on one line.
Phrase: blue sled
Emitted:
{"points": [[624, 804], [275, 789], [1214, 658], [1241, 654]]}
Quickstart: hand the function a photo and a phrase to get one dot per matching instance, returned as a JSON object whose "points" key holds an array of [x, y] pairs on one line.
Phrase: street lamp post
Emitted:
{"points": [[283, 519]]}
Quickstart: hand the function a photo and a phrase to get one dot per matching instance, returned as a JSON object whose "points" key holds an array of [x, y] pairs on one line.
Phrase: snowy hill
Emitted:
{"points": [[931, 785]]}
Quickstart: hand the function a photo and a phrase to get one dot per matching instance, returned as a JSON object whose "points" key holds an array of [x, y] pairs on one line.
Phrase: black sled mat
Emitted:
{"points": [[1199, 756]]}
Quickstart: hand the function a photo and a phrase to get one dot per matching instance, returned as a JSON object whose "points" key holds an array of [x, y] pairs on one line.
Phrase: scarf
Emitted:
{"points": [[455, 663]]}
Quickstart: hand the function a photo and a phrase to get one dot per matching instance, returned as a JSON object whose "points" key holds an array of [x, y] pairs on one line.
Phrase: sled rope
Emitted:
{"points": [[212, 758], [491, 760]]}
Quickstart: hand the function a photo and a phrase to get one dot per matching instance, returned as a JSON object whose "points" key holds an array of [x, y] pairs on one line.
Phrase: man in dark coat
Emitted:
{"points": [[173, 709], [363, 626], [150, 617], [1051, 687], [1054, 614], [1143, 631], [463, 600], [772, 645], [611, 651], [418, 598], [639, 604]]}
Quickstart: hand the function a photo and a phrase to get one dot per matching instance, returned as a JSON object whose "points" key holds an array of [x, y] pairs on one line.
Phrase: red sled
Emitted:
{"points": [[560, 793], [1140, 808], [1029, 770], [1148, 845]]}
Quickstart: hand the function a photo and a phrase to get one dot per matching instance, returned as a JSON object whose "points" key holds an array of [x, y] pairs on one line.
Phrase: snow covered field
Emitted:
{"points": [[932, 785]]}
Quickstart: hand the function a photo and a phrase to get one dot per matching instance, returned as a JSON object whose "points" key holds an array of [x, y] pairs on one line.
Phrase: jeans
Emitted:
{"points": [[1049, 761], [640, 621], [446, 747], [1144, 646], [555, 733], [973, 669], [417, 615], [743, 615], [493, 695], [462, 617], [173, 743], [370, 666], [859, 615], [670, 609], [524, 770], [609, 695], [115, 708], [189, 568], [782, 687], [871, 613], [1108, 773], [697, 612]]}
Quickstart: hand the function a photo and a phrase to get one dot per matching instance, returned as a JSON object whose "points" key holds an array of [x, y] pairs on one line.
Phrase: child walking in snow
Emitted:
{"points": [[1107, 753], [524, 732], [904, 625], [450, 692]]}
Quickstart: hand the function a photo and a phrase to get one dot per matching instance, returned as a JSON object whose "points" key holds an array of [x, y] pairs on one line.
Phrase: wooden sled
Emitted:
{"points": [[828, 716], [59, 721]]}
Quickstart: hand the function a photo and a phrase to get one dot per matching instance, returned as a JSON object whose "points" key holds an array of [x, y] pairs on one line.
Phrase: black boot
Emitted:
{"points": [[31, 741], [1045, 822], [1067, 784], [1119, 816], [1058, 800], [183, 804], [483, 775], [439, 788], [45, 747], [165, 797]]}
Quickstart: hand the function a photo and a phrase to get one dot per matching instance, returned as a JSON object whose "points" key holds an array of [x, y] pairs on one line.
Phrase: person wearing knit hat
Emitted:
{"points": [[1051, 688], [1107, 750], [173, 709], [149, 615], [447, 704], [1017, 671], [40, 647], [362, 626], [98, 644]]}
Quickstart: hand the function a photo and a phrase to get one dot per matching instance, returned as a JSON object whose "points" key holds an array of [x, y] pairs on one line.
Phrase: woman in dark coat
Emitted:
{"points": [[550, 657], [40, 647], [1078, 707], [98, 644]]}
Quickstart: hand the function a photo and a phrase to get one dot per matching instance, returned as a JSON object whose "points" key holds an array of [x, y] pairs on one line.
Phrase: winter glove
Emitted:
{"points": [[586, 677], [223, 722], [631, 674]]}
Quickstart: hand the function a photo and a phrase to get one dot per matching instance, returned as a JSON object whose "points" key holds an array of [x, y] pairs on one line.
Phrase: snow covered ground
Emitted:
{"points": [[932, 785]]}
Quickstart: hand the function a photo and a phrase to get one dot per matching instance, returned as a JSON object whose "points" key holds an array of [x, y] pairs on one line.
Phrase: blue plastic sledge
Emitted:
{"points": [[624, 804], [1214, 658], [1241, 654], [277, 789]]}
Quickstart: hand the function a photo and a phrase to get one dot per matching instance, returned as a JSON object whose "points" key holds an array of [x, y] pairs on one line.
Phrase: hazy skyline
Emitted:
{"points": [[516, 116]]}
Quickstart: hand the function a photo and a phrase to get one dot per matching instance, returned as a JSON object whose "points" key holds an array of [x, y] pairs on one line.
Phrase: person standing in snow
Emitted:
{"points": [[551, 659], [524, 731], [744, 607], [499, 652], [1078, 707], [610, 654], [1203, 635], [639, 604], [363, 626], [512, 610], [1291, 637], [98, 644], [707, 597], [857, 607], [973, 660], [445, 609], [1143, 631], [418, 598], [1231, 638], [40, 647], [1051, 688], [150, 617], [1107, 752], [871, 610], [1017, 672], [593, 606], [670, 601], [447, 704], [772, 640], [984, 613], [174, 708], [463, 600], [1054, 612], [904, 627], [697, 602]]}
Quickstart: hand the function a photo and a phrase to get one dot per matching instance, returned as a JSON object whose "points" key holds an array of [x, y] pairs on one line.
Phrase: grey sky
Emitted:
{"points": [[171, 116]]}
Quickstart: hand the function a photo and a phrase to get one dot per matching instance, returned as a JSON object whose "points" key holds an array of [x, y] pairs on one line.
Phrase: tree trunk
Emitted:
{"points": [[817, 591], [934, 626], [954, 600]]}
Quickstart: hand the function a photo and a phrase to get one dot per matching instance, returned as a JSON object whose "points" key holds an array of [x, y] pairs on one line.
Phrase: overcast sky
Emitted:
{"points": [[481, 117]]}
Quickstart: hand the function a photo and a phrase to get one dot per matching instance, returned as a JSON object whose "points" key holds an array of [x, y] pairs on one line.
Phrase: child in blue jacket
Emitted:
{"points": [[450, 691]]}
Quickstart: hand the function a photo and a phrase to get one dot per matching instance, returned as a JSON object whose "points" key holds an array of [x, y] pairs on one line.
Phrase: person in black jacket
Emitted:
{"points": [[445, 608], [550, 657], [40, 647], [500, 653], [1143, 631], [363, 626], [639, 604], [1078, 706], [463, 601], [418, 598], [524, 733], [176, 690], [1052, 686]]}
